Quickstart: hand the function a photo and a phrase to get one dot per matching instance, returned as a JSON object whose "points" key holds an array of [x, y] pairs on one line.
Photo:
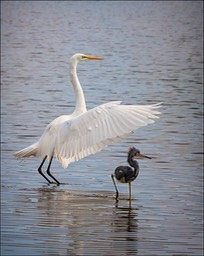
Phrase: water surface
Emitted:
{"points": [[153, 53]]}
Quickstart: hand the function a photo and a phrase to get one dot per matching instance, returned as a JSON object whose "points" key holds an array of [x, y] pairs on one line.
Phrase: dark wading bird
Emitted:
{"points": [[126, 174], [69, 138]]}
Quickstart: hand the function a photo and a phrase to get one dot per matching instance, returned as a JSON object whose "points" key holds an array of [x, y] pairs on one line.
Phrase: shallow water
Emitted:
{"points": [[153, 53]]}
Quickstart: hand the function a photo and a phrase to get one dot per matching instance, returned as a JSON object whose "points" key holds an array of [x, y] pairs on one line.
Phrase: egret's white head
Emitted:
{"points": [[80, 57]]}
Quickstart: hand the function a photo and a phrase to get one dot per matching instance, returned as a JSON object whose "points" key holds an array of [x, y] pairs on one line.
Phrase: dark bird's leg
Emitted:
{"points": [[117, 193], [40, 170], [130, 196], [48, 172]]}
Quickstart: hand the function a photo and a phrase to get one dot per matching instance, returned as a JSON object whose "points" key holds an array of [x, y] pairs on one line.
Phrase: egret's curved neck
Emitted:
{"points": [[80, 99]]}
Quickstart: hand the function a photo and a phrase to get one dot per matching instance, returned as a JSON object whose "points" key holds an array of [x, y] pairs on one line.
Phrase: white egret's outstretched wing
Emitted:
{"points": [[101, 126]]}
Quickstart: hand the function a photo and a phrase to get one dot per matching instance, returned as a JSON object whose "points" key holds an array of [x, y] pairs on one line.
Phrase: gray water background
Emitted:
{"points": [[153, 53]]}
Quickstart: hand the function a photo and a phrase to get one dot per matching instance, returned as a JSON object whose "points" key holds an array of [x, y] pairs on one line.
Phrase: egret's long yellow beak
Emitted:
{"points": [[91, 57]]}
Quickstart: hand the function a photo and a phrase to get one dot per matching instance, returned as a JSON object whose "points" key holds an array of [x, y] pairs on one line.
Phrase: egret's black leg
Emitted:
{"points": [[48, 172], [40, 170], [116, 189]]}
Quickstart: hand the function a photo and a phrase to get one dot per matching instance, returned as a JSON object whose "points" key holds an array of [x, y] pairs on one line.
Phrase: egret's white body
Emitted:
{"points": [[69, 138]]}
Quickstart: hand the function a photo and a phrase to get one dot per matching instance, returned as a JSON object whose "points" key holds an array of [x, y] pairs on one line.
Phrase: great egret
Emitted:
{"points": [[69, 138], [126, 174]]}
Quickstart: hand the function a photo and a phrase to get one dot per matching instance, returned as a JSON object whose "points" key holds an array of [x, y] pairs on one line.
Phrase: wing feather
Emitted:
{"points": [[92, 131]]}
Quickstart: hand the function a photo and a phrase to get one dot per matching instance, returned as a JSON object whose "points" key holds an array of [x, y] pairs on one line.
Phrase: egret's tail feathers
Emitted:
{"points": [[27, 152]]}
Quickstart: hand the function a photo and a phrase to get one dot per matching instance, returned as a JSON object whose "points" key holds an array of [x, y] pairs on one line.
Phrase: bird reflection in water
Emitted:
{"points": [[126, 228], [126, 174]]}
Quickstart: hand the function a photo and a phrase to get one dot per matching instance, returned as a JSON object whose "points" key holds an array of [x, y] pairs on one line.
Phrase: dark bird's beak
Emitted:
{"points": [[142, 156]]}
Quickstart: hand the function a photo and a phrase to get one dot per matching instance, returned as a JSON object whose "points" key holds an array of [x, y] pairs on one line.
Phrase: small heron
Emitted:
{"points": [[126, 174]]}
